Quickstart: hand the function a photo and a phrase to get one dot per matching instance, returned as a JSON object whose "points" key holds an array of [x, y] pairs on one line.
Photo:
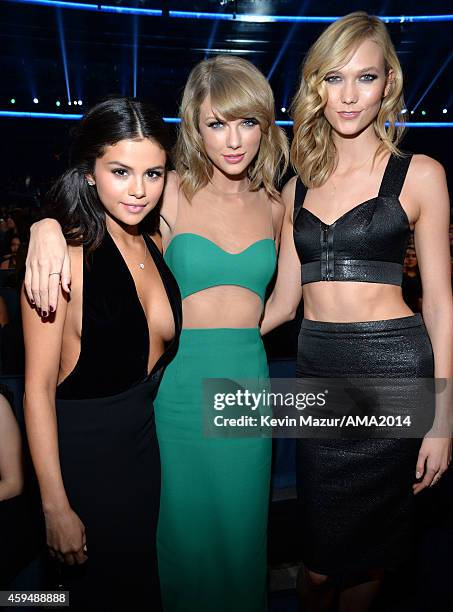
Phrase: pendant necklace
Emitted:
{"points": [[141, 265]]}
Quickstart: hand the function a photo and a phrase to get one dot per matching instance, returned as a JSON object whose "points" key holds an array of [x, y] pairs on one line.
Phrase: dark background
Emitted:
{"points": [[100, 48]]}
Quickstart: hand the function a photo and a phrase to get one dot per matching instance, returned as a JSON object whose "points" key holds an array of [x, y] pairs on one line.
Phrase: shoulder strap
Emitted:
{"points": [[394, 176], [299, 197]]}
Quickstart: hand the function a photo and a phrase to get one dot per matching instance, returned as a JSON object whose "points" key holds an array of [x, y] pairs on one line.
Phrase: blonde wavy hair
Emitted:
{"points": [[237, 90], [313, 153]]}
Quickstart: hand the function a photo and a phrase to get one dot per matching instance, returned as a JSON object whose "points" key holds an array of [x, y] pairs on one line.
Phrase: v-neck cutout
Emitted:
{"points": [[153, 251]]}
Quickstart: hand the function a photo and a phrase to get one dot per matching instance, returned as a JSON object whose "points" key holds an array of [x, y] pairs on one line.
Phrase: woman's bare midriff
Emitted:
{"points": [[348, 302], [222, 306]]}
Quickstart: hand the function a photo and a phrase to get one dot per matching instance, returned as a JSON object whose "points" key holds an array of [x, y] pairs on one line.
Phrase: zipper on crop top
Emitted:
{"points": [[328, 273]]}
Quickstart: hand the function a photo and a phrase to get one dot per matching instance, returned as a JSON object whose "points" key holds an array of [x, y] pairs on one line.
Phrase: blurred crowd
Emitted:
{"points": [[20, 207]]}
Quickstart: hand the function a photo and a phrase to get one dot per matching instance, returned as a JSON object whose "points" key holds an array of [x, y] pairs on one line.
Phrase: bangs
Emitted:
{"points": [[233, 99]]}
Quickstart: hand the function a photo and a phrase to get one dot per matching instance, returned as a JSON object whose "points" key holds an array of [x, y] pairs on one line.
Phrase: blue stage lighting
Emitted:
{"points": [[101, 8], [80, 102], [63, 51], [135, 53], [251, 18], [35, 100], [436, 76], [29, 115]]}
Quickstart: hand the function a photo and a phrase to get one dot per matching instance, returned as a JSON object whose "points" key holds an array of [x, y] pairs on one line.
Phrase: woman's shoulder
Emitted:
{"points": [[426, 182], [423, 167]]}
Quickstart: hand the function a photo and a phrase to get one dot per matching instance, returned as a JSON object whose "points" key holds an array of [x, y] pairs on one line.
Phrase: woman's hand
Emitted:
{"points": [[433, 459], [47, 263], [66, 536]]}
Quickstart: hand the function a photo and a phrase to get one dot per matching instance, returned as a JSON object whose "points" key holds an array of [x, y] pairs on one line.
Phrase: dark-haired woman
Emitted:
{"points": [[93, 368]]}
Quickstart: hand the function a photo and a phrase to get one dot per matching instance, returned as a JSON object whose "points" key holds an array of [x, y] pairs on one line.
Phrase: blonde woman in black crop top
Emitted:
{"points": [[348, 218]]}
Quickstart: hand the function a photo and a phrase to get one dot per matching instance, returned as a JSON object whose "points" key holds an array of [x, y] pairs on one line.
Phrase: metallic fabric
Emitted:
{"points": [[355, 495], [367, 243]]}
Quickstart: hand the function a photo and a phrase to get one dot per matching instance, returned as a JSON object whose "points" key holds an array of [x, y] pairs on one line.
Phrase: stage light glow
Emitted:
{"points": [[13, 101], [58, 103], [63, 51], [80, 102], [20, 114], [412, 112], [211, 40], [436, 76], [135, 53], [283, 109], [404, 111], [423, 113], [35, 100], [444, 111], [251, 18], [30, 115], [98, 8], [69, 103]]}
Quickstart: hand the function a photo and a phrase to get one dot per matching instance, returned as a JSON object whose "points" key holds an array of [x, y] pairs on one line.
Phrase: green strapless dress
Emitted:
{"points": [[212, 533]]}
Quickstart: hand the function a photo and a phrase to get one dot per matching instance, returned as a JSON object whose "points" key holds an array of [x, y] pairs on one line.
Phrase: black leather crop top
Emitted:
{"points": [[367, 243]]}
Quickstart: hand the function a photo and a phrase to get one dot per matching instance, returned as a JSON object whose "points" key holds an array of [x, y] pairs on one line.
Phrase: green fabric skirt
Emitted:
{"points": [[212, 533]]}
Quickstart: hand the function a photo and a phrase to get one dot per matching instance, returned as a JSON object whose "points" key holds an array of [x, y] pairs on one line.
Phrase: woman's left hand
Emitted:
{"points": [[433, 459]]}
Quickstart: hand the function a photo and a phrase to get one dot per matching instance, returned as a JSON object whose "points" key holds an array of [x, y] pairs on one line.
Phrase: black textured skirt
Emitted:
{"points": [[355, 495]]}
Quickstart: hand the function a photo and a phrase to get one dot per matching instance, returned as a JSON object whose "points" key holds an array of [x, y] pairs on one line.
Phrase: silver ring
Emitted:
{"points": [[51, 273]]}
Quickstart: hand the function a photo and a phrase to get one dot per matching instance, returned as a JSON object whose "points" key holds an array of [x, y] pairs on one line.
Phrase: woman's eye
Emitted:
{"points": [[154, 174], [119, 172], [332, 79], [368, 77], [250, 122], [215, 124]]}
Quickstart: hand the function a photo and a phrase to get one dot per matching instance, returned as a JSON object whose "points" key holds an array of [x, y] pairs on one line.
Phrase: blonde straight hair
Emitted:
{"points": [[237, 90], [313, 153]]}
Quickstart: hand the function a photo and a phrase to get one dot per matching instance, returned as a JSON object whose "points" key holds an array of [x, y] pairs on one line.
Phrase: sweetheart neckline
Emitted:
{"points": [[215, 243], [351, 210]]}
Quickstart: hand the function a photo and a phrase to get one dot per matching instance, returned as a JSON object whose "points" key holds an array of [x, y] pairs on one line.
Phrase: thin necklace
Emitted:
{"points": [[231, 193], [141, 265]]}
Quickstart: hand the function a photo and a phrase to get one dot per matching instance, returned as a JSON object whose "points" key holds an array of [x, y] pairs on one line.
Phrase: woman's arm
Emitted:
{"points": [[43, 340], [47, 255], [284, 300], [433, 254], [11, 466]]}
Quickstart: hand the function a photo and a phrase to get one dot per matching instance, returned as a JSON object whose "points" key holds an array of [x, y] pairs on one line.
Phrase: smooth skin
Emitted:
{"points": [[360, 86], [226, 213], [244, 220], [129, 178], [11, 463]]}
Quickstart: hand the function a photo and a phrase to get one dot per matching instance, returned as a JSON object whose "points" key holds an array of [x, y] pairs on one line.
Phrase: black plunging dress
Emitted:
{"points": [[108, 448]]}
